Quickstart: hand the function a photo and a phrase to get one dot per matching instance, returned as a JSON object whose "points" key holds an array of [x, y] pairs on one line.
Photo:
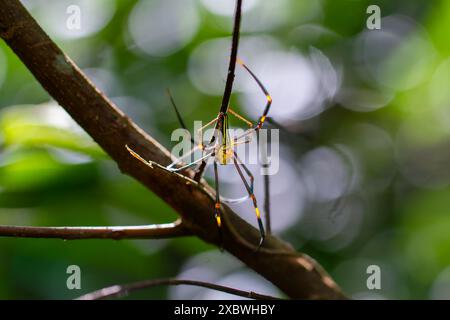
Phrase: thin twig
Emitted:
{"points": [[121, 290], [233, 58], [230, 77], [267, 203], [157, 231]]}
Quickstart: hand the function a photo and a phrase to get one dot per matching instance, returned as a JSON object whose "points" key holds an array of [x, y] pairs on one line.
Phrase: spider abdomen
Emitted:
{"points": [[224, 155]]}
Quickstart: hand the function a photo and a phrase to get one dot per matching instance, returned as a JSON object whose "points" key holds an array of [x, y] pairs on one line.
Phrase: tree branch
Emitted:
{"points": [[158, 231], [296, 274], [230, 77], [233, 57], [120, 290]]}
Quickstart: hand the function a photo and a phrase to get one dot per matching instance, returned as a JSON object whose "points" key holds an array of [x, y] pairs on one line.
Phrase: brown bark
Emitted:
{"points": [[296, 274]]}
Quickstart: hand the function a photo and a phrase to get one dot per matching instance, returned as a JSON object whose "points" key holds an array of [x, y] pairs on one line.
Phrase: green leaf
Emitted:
{"points": [[45, 125]]}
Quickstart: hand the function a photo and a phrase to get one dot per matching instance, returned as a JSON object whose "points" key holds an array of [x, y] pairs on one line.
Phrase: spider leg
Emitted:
{"points": [[137, 156], [149, 164], [237, 115], [263, 89], [177, 112], [200, 132], [190, 164], [255, 204], [180, 159], [241, 199], [262, 119], [247, 134], [266, 179], [247, 171]]}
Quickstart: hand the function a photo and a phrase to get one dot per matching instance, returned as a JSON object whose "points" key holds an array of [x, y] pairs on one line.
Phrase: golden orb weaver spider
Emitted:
{"points": [[222, 149]]}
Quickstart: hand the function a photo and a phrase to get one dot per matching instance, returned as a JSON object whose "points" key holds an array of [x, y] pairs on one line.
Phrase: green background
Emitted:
{"points": [[364, 179]]}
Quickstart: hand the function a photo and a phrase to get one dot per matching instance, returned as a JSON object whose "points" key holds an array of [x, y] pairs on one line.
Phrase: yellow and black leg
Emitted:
{"points": [[263, 89], [252, 196]]}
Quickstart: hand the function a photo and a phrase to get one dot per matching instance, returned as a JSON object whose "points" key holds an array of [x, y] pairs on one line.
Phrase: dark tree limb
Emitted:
{"points": [[296, 274], [158, 231], [233, 57], [230, 77], [120, 290]]}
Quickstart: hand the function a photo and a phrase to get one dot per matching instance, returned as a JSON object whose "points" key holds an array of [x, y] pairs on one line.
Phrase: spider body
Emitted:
{"points": [[224, 154], [223, 144]]}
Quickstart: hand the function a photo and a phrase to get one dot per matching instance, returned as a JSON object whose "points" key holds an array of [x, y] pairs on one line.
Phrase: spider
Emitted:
{"points": [[221, 149]]}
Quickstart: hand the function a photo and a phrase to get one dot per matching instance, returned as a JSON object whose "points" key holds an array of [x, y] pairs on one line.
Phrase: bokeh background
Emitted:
{"points": [[364, 142]]}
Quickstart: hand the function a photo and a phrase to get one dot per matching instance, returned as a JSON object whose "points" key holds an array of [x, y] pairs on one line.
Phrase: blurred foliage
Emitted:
{"points": [[381, 139]]}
